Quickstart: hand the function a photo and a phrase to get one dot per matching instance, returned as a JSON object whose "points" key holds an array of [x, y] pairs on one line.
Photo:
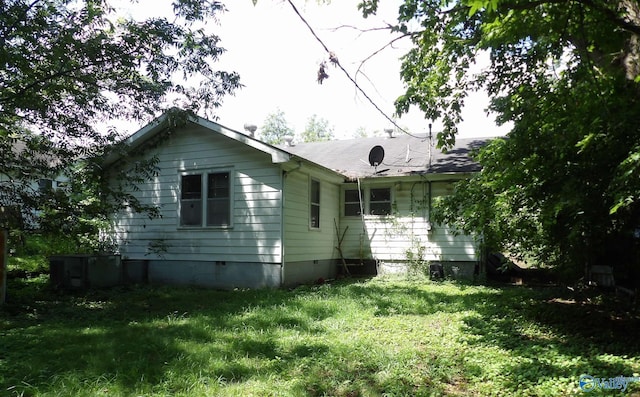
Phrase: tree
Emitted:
{"points": [[275, 128], [317, 130], [361, 132], [563, 187], [67, 65]]}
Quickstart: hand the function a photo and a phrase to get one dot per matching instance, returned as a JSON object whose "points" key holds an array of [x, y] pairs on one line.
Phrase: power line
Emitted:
{"points": [[334, 60]]}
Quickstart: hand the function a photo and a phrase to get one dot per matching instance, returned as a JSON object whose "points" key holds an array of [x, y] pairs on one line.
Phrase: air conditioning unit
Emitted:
{"points": [[85, 271]]}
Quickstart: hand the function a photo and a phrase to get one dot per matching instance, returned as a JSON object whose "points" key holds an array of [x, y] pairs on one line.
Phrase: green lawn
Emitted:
{"points": [[364, 337]]}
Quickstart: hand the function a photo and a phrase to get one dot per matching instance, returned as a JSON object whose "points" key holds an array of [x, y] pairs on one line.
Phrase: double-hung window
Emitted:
{"points": [[352, 206], [191, 200], [375, 201], [218, 199], [205, 199], [314, 208]]}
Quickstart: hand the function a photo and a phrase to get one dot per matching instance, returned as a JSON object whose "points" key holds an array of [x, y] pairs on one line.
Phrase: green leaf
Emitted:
{"points": [[552, 190]]}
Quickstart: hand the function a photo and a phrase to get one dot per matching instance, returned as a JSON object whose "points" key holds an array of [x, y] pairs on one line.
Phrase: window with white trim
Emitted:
{"points": [[205, 199], [314, 208], [380, 201], [352, 205]]}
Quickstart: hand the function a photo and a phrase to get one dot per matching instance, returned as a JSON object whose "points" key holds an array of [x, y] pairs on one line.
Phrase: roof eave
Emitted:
{"points": [[278, 156], [138, 138], [421, 174]]}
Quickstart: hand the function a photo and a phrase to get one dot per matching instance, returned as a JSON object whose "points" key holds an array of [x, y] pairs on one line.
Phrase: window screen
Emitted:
{"points": [[315, 204], [191, 200], [380, 201], [218, 199], [352, 203]]}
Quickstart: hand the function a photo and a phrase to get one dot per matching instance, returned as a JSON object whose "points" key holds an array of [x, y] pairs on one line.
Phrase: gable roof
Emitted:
{"points": [[160, 124], [403, 155]]}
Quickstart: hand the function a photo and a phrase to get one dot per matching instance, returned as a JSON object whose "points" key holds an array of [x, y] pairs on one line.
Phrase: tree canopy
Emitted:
{"points": [[563, 187], [68, 66], [275, 128], [317, 129]]}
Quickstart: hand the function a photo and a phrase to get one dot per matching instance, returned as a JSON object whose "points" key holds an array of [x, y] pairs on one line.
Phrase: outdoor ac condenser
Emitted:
{"points": [[85, 271]]}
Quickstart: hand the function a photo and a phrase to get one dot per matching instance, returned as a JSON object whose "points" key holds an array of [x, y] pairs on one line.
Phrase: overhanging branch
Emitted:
{"points": [[346, 73]]}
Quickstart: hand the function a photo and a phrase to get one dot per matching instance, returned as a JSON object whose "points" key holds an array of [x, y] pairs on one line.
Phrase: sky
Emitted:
{"points": [[277, 58]]}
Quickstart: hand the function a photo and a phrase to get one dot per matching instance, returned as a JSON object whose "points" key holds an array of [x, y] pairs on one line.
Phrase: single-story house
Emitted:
{"points": [[237, 212]]}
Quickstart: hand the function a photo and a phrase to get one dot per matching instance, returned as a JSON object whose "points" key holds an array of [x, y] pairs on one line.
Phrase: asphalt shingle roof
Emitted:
{"points": [[403, 155]]}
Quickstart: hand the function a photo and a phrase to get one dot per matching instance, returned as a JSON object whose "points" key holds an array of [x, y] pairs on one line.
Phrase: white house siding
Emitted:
{"points": [[247, 254], [392, 239], [309, 252]]}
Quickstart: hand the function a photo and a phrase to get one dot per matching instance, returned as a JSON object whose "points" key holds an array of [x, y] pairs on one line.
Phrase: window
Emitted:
{"points": [[370, 201], [215, 210], [352, 203], [218, 199], [45, 185], [314, 211], [191, 200], [380, 201]]}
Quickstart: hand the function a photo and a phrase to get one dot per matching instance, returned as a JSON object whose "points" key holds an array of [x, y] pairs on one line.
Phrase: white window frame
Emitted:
{"points": [[313, 204], [369, 201], [366, 200], [361, 206], [204, 180]]}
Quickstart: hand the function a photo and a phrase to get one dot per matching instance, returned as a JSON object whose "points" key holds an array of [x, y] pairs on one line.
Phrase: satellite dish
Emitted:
{"points": [[376, 155]]}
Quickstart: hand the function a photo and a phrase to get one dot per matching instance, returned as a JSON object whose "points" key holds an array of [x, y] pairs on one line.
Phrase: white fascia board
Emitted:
{"points": [[139, 137], [298, 163], [277, 155], [448, 176]]}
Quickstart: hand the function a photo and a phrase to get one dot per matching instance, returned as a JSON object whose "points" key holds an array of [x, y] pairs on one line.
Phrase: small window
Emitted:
{"points": [[314, 214], [352, 205], [215, 210], [380, 201]]}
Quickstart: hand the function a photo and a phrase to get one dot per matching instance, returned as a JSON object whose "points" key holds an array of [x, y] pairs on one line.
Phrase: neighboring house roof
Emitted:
{"points": [[403, 155], [20, 148]]}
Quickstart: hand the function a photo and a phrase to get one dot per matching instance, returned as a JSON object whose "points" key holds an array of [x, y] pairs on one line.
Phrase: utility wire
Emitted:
{"points": [[295, 9]]}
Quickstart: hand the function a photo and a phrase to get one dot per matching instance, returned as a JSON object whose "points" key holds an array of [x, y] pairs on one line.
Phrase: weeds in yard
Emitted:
{"points": [[360, 337]]}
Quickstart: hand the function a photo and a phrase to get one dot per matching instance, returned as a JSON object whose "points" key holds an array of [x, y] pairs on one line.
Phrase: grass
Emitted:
{"points": [[365, 337]]}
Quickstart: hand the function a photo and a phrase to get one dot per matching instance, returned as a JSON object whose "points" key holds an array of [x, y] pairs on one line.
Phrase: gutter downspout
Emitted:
{"points": [[283, 178]]}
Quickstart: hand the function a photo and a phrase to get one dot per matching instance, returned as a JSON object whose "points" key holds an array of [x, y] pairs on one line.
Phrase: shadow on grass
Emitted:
{"points": [[546, 332], [408, 299], [552, 336], [163, 340], [141, 338]]}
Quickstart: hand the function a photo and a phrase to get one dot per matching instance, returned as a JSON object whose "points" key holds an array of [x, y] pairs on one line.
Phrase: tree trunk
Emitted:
{"points": [[3, 265], [631, 60]]}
